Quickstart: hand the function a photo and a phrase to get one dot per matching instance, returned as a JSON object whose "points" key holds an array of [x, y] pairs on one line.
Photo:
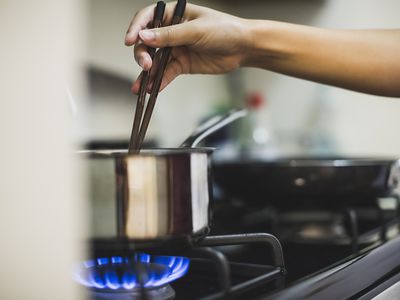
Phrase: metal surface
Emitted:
{"points": [[212, 126], [163, 293], [349, 279], [249, 238], [204, 280], [222, 267], [326, 181], [384, 289], [156, 194], [159, 193], [392, 292], [351, 215]]}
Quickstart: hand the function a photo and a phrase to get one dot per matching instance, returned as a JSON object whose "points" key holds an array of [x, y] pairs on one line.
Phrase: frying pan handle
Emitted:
{"points": [[212, 125], [394, 179]]}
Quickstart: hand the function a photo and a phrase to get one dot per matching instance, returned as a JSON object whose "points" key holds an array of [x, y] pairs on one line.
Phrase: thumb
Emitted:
{"points": [[170, 36]]}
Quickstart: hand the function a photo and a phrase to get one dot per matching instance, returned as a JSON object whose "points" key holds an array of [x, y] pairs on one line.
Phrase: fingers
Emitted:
{"points": [[143, 18], [182, 34], [136, 85], [142, 57], [170, 36], [139, 22], [173, 69], [153, 68]]}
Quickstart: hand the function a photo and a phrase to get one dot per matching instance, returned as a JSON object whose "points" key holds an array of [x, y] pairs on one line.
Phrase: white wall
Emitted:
{"points": [[357, 123], [40, 206]]}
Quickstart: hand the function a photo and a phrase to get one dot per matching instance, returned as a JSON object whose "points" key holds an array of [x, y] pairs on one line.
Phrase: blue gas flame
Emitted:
{"points": [[119, 273]]}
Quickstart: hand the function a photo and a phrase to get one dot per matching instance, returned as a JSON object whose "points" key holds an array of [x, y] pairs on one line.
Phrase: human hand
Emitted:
{"points": [[206, 42]]}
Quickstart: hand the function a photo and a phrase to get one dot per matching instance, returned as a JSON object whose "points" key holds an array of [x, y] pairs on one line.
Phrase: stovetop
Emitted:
{"points": [[352, 253]]}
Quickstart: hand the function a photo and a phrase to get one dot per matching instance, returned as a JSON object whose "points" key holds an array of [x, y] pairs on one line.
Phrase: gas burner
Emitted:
{"points": [[117, 277]]}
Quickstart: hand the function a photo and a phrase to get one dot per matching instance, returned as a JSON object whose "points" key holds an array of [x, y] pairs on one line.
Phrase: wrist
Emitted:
{"points": [[262, 43]]}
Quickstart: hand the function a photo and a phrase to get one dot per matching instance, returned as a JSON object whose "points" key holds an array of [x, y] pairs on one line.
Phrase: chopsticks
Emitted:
{"points": [[157, 22], [137, 140]]}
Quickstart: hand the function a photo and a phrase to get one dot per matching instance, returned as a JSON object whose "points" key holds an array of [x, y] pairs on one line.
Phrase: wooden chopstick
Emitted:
{"points": [[134, 141], [165, 54]]}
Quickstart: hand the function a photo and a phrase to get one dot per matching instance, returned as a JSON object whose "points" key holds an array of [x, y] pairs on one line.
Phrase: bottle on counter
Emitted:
{"points": [[256, 137]]}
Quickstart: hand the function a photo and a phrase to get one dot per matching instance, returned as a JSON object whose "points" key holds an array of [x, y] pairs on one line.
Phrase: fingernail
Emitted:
{"points": [[128, 39], [147, 35], [131, 30]]}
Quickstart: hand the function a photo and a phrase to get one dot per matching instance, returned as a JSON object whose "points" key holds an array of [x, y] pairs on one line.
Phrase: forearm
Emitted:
{"points": [[361, 60]]}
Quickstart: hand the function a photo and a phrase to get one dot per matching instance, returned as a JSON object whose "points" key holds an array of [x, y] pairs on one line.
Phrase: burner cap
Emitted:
{"points": [[162, 293]]}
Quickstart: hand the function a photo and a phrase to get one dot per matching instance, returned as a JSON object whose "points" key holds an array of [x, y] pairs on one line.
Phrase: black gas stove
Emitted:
{"points": [[304, 253], [330, 253]]}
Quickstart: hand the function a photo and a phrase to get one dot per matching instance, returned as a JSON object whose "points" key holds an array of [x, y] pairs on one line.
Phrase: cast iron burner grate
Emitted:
{"points": [[212, 276]]}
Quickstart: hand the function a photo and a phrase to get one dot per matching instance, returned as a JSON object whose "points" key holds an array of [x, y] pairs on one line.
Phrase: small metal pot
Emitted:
{"points": [[157, 194]]}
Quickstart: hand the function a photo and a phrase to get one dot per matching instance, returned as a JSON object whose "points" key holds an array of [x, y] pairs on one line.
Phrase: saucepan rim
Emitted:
{"points": [[105, 153]]}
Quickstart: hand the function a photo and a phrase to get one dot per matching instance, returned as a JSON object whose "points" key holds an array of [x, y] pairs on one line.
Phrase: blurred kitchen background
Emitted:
{"points": [[303, 117], [66, 77]]}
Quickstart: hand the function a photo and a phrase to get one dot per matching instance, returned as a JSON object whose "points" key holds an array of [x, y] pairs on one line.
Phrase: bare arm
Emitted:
{"points": [[362, 60], [212, 42]]}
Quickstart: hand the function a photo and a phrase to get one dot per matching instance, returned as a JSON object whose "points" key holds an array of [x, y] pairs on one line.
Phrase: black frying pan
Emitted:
{"points": [[327, 181]]}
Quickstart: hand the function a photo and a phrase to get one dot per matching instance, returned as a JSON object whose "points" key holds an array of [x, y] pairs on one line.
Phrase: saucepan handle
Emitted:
{"points": [[212, 125]]}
